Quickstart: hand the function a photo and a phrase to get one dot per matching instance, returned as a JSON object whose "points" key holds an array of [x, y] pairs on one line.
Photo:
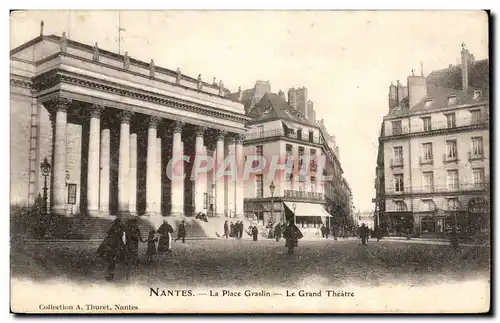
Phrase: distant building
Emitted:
{"points": [[250, 97], [433, 166], [366, 218]]}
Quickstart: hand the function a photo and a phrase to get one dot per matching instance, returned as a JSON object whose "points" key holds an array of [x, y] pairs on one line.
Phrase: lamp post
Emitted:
{"points": [[45, 168], [271, 188]]}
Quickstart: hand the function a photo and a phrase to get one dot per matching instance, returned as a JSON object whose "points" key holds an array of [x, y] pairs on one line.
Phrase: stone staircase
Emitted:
{"points": [[95, 228]]}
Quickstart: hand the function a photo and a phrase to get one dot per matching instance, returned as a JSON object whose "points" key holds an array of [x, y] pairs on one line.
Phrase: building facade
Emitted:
{"points": [[109, 126], [436, 157]]}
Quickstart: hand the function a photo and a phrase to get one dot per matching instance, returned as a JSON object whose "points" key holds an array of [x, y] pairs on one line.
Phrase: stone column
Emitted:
{"points": [[104, 172], [177, 184], [59, 162], [93, 161], [124, 163], [210, 183], [158, 178], [200, 179], [230, 180], [219, 180], [239, 182], [133, 175], [151, 194]]}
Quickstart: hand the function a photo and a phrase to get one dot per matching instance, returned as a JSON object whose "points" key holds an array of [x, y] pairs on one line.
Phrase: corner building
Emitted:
{"points": [[436, 153], [109, 125]]}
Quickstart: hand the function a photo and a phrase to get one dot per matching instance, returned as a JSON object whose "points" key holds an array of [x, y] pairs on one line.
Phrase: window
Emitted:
{"points": [[299, 134], [428, 179], [205, 201], [428, 205], [312, 162], [398, 183], [428, 103], [452, 179], [451, 120], [313, 184], [477, 94], [259, 181], [311, 136], [451, 149], [477, 146], [400, 205], [397, 127], [71, 193], [427, 123], [452, 100], [427, 152], [453, 205], [478, 177], [289, 161], [398, 155], [260, 130], [475, 116], [258, 152]]}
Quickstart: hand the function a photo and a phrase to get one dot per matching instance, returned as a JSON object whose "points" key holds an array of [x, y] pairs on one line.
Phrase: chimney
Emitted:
{"points": [[465, 67], [393, 93], [281, 94], [417, 89]]}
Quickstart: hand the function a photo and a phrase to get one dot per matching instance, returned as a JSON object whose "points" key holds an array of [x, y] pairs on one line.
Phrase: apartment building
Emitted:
{"points": [[434, 155]]}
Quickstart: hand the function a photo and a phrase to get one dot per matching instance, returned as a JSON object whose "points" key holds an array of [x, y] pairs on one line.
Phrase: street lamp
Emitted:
{"points": [[271, 188], [45, 168]]}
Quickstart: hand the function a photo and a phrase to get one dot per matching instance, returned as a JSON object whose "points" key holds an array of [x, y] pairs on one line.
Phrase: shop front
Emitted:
{"points": [[309, 217]]}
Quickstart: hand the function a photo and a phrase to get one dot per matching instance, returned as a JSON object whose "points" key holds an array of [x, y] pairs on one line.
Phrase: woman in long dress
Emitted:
{"points": [[165, 231], [112, 249]]}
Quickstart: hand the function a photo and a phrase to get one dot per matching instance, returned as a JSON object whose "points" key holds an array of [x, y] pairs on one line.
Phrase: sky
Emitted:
{"points": [[345, 59]]}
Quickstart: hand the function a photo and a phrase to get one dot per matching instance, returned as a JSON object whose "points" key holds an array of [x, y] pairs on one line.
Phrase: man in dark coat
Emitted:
{"points": [[241, 230], [165, 231], [292, 235], [231, 229], [363, 233], [112, 249], [133, 236], [277, 231], [226, 230], [181, 232], [255, 233]]}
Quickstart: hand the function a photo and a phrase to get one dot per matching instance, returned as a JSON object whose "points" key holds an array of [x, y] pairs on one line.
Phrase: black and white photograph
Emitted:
{"points": [[250, 161]]}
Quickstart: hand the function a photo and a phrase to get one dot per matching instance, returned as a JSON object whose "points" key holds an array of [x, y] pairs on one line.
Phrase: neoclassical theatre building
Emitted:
{"points": [[108, 125]]}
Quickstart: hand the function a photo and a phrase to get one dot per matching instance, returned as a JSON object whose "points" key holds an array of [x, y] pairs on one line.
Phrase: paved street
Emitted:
{"points": [[265, 262]]}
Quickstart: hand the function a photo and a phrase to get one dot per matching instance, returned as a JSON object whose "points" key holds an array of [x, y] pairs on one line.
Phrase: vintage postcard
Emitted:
{"points": [[249, 162]]}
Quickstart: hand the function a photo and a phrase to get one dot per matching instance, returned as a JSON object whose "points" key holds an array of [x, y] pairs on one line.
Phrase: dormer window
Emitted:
{"points": [[452, 100], [428, 103], [477, 94]]}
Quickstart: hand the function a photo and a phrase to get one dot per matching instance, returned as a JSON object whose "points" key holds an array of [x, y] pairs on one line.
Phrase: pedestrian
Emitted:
{"points": [[363, 233], [255, 233], [292, 235], [334, 233], [241, 230], [151, 249], [324, 232], [231, 228], [133, 236], [112, 248], [164, 243], [181, 232], [226, 230], [277, 232]]}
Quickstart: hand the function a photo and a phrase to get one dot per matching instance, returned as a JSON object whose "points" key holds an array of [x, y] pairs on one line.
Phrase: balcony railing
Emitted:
{"points": [[465, 122], [426, 161], [304, 195], [280, 132], [455, 187], [473, 156], [397, 162], [449, 159]]}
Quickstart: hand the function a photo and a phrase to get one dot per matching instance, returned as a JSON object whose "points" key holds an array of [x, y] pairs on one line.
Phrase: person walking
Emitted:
{"points": [[164, 243], [151, 249], [112, 248], [292, 235], [255, 233], [226, 230], [181, 232], [277, 232], [363, 233]]}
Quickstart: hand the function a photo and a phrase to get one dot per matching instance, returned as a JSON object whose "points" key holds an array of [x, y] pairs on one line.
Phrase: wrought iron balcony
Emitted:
{"points": [[452, 187], [397, 162], [280, 132], [449, 159], [304, 195], [426, 161], [475, 156]]}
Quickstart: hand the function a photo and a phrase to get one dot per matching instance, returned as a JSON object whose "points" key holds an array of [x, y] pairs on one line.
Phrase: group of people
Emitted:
{"points": [[233, 230], [201, 216], [122, 243]]}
